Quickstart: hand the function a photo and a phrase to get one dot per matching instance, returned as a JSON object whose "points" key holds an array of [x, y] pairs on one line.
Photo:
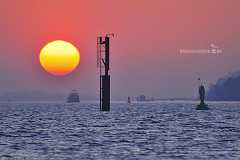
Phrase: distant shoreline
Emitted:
{"points": [[120, 101]]}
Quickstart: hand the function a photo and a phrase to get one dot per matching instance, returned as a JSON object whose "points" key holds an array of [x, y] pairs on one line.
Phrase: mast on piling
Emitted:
{"points": [[103, 63]]}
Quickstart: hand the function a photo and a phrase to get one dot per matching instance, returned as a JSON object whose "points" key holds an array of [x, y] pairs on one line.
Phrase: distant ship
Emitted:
{"points": [[143, 98], [129, 100], [73, 97]]}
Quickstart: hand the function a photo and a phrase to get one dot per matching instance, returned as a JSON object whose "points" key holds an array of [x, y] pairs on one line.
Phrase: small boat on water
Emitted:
{"points": [[73, 97]]}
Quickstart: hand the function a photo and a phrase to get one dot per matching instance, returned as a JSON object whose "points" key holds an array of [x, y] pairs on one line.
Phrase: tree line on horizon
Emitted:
{"points": [[226, 88]]}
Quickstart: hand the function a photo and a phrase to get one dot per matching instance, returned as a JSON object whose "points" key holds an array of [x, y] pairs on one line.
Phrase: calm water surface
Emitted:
{"points": [[161, 130]]}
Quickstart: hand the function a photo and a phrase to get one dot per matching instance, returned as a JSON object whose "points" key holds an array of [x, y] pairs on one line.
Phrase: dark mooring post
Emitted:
{"points": [[201, 90], [103, 50]]}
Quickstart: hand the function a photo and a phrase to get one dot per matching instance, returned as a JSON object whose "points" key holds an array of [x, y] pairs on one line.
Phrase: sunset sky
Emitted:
{"points": [[145, 56]]}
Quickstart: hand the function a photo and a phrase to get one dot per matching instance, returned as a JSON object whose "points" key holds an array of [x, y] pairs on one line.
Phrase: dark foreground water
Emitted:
{"points": [[163, 130]]}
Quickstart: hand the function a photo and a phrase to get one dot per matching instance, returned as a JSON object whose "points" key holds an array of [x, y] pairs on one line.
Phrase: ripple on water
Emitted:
{"points": [[161, 130]]}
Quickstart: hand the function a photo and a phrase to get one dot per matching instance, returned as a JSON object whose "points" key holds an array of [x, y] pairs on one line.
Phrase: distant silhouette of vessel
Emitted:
{"points": [[143, 98], [73, 97], [129, 100], [202, 105]]}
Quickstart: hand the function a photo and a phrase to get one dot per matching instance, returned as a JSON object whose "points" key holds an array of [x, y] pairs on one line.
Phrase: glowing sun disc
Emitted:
{"points": [[59, 57]]}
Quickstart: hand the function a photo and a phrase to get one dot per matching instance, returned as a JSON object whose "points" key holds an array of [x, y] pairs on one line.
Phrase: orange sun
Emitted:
{"points": [[59, 57]]}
